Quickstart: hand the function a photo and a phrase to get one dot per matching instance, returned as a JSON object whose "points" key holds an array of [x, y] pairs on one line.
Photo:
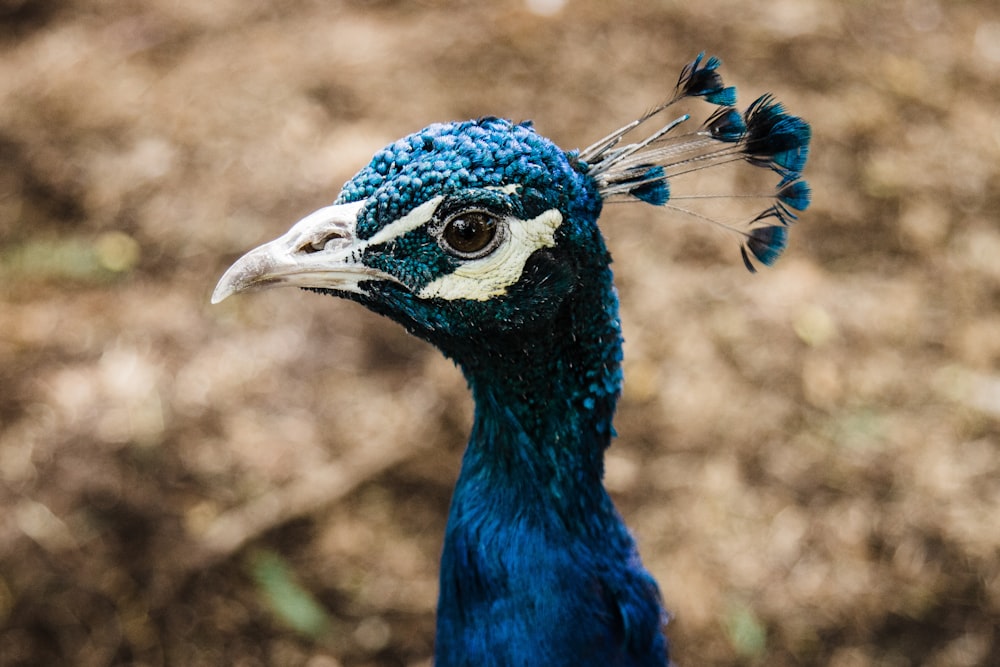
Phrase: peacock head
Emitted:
{"points": [[473, 229], [462, 229]]}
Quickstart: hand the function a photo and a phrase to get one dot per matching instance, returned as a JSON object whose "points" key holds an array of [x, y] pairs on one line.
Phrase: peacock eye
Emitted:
{"points": [[470, 233]]}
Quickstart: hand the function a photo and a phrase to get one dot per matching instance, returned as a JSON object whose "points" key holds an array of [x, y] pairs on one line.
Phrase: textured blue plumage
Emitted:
{"points": [[481, 237], [453, 157]]}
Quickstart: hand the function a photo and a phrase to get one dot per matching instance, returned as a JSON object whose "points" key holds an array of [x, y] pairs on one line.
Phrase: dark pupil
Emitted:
{"points": [[471, 232]]}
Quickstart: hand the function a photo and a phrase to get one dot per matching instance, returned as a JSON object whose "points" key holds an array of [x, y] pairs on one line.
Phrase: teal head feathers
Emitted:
{"points": [[431, 207]]}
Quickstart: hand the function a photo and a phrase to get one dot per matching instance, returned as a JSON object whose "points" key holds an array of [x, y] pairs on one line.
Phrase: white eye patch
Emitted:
{"points": [[485, 277], [490, 276]]}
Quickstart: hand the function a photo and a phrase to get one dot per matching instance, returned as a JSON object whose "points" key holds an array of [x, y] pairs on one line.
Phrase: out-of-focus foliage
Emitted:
{"points": [[287, 599]]}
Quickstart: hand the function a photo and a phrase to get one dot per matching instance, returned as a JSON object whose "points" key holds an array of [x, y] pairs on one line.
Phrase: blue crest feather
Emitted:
{"points": [[774, 138], [795, 194], [726, 124], [764, 243], [763, 135], [653, 188]]}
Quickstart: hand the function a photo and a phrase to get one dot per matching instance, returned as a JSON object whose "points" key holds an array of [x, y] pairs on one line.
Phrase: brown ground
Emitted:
{"points": [[810, 458]]}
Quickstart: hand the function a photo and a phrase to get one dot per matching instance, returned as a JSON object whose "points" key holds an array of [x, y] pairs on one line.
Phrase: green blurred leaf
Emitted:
{"points": [[285, 597], [745, 631]]}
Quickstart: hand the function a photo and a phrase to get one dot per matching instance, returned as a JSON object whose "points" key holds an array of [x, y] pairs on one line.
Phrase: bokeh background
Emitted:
{"points": [[809, 457]]}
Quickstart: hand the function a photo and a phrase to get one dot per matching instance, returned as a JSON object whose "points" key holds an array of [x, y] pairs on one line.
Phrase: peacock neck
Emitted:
{"points": [[537, 566], [545, 400]]}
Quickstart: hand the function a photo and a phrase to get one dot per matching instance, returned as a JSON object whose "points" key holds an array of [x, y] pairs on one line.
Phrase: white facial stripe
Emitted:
{"points": [[506, 189], [412, 220], [490, 276]]}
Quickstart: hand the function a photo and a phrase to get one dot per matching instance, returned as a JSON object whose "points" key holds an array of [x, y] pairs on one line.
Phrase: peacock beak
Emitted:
{"points": [[320, 250]]}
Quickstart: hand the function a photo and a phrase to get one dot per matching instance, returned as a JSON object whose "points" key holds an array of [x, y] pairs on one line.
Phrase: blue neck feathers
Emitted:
{"points": [[538, 568]]}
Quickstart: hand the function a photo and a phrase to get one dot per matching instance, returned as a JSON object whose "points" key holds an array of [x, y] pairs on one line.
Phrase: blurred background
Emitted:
{"points": [[809, 457]]}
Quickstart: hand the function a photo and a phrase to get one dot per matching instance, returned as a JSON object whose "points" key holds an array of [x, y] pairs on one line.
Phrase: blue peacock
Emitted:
{"points": [[481, 237]]}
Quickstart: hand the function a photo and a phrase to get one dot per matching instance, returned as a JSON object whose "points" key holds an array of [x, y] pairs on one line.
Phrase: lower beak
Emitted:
{"points": [[320, 250]]}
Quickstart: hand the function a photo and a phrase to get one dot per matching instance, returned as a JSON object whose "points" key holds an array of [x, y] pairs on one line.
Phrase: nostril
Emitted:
{"points": [[329, 241]]}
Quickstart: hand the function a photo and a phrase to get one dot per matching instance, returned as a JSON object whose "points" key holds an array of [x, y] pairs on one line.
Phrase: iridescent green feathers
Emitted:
{"points": [[763, 135]]}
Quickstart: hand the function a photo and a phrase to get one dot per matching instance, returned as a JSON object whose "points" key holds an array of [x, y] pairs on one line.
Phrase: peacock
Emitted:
{"points": [[481, 238]]}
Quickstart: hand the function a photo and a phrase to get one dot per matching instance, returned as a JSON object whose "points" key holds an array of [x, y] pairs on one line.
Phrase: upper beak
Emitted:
{"points": [[320, 250]]}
